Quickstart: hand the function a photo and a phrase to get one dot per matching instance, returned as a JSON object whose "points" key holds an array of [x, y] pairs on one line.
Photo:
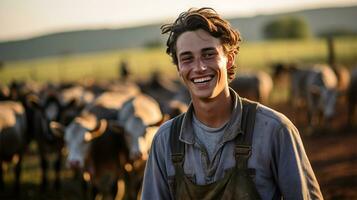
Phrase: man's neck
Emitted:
{"points": [[214, 112]]}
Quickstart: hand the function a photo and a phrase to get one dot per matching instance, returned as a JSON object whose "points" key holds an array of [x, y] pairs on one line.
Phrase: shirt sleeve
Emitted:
{"points": [[155, 183], [293, 171]]}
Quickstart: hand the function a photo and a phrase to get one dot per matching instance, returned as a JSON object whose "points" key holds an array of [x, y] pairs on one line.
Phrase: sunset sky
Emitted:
{"points": [[29, 18]]}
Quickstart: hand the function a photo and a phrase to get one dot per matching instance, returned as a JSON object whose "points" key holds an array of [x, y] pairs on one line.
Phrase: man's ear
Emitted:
{"points": [[230, 60]]}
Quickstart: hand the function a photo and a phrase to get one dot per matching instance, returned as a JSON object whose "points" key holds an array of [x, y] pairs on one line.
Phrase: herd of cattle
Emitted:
{"points": [[107, 127]]}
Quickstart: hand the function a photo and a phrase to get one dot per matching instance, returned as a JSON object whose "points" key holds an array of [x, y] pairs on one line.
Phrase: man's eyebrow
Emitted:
{"points": [[208, 49], [185, 53], [203, 50]]}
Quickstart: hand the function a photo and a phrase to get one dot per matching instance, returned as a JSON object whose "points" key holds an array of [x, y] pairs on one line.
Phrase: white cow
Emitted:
{"points": [[322, 94], [140, 117]]}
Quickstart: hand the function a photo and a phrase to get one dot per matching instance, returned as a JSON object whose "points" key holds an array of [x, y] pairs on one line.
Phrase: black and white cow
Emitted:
{"points": [[86, 130], [106, 106], [12, 137]]}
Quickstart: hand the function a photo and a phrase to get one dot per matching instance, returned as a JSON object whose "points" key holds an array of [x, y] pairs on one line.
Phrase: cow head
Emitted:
{"points": [[136, 115], [78, 135], [135, 130]]}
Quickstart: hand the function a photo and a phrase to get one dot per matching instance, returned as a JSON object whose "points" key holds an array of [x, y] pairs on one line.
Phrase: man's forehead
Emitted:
{"points": [[196, 41]]}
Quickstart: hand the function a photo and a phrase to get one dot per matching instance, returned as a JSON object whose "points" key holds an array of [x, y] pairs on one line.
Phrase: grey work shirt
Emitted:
{"points": [[282, 169]]}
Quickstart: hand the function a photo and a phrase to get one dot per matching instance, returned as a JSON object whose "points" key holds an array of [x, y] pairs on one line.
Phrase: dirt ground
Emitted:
{"points": [[332, 151], [334, 160]]}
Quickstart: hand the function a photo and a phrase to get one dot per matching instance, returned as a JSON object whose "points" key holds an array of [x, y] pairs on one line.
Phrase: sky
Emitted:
{"points": [[21, 19]]}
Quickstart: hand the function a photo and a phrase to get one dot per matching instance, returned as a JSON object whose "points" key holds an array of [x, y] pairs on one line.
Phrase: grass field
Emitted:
{"points": [[104, 65]]}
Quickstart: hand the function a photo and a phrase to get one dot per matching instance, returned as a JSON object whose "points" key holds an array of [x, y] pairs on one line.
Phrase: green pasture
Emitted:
{"points": [[104, 65]]}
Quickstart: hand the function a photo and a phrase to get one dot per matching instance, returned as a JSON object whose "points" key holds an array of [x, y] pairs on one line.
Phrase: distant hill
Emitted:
{"points": [[319, 20]]}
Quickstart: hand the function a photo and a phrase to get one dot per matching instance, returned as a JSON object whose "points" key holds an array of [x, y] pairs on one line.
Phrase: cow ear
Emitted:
{"points": [[97, 131], [57, 129]]}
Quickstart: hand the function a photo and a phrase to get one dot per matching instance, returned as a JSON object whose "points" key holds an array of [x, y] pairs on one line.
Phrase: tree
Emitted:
{"points": [[153, 44], [287, 27]]}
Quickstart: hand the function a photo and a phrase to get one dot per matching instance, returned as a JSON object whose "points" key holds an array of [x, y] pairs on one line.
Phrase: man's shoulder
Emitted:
{"points": [[163, 133], [274, 126], [273, 116]]}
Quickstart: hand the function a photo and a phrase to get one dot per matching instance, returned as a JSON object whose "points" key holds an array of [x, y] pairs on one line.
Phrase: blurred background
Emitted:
{"points": [[48, 46]]}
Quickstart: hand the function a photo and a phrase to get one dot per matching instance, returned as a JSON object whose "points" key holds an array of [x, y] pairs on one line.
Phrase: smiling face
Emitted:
{"points": [[202, 64]]}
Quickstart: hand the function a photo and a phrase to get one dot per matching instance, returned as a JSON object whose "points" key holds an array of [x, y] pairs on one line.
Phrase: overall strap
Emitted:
{"points": [[244, 142], [177, 147]]}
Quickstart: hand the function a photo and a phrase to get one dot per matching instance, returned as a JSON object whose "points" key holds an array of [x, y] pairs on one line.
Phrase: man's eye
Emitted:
{"points": [[186, 59], [209, 55]]}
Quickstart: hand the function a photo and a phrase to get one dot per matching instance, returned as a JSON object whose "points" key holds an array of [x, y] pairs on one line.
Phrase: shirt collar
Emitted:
{"points": [[232, 129]]}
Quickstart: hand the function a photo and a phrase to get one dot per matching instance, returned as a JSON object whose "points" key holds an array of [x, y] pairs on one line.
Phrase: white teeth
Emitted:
{"points": [[200, 80]]}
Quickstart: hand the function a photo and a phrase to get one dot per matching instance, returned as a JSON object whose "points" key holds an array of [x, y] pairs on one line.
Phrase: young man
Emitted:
{"points": [[223, 147]]}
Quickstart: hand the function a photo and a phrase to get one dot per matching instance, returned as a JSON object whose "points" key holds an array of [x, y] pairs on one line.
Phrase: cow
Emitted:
{"points": [[77, 94], [163, 90], [97, 150], [295, 77], [255, 86], [106, 158], [4, 92], [343, 77], [352, 96], [105, 107], [44, 114], [12, 138], [140, 116], [322, 94]]}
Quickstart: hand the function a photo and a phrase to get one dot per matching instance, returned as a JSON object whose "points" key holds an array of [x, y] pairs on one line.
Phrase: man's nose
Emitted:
{"points": [[200, 65]]}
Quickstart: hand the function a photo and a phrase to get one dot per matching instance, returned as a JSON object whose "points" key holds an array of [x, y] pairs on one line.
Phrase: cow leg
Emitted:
{"points": [[84, 185], [1, 177], [351, 112], [44, 168], [18, 174], [94, 192], [114, 189], [58, 164]]}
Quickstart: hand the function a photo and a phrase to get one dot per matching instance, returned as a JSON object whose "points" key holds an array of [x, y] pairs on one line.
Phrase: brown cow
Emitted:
{"points": [[106, 158]]}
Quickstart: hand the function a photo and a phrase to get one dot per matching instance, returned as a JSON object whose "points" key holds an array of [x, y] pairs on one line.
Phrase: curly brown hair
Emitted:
{"points": [[208, 20]]}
